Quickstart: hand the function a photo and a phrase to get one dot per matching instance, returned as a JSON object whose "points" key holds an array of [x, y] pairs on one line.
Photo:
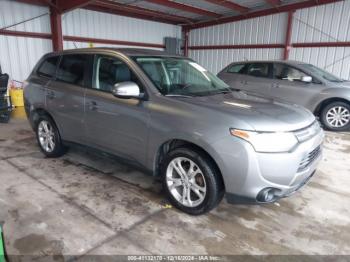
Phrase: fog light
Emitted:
{"points": [[268, 195]]}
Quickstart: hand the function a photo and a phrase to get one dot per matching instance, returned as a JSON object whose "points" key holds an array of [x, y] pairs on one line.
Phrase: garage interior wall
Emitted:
{"points": [[317, 24], [261, 30], [92, 24], [18, 55], [324, 23], [25, 51]]}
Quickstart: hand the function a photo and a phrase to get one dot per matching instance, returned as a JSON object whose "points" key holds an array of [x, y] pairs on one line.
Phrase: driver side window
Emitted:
{"points": [[109, 71], [288, 73]]}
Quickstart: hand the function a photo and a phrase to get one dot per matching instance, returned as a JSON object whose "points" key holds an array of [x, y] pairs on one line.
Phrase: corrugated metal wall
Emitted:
{"points": [[93, 24], [18, 55], [261, 30], [325, 23]]}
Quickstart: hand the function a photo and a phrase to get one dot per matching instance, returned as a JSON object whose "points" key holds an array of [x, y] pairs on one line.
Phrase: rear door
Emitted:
{"points": [[287, 85], [65, 95], [258, 78], [115, 125], [35, 92]]}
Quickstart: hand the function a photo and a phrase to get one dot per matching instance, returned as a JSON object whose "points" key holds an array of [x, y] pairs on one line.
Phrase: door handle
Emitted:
{"points": [[92, 106], [276, 85], [50, 95]]}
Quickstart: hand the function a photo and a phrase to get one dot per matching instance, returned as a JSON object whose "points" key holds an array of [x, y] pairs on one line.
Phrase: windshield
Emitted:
{"points": [[179, 76], [321, 73]]}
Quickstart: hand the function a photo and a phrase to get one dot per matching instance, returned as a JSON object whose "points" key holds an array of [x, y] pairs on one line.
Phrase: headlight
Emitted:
{"points": [[267, 142]]}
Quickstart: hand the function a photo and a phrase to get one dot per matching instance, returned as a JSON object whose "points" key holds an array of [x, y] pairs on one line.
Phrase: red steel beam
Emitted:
{"points": [[288, 41], [321, 44], [183, 7], [141, 44], [137, 12], [110, 42], [280, 9], [56, 29], [229, 5], [262, 46], [274, 2], [78, 39], [239, 46], [25, 34], [66, 6], [34, 2]]}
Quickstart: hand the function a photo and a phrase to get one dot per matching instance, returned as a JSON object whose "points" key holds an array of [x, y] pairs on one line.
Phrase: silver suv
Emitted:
{"points": [[324, 94], [170, 116]]}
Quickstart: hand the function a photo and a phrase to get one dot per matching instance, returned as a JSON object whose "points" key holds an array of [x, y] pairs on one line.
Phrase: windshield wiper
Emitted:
{"points": [[223, 92], [227, 91], [178, 95], [235, 89]]}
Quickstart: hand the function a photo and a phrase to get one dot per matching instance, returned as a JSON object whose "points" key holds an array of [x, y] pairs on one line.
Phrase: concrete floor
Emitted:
{"points": [[83, 204]]}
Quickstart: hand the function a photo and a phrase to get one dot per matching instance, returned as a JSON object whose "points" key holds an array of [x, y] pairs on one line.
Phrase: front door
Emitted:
{"points": [[287, 85], [65, 96], [114, 124]]}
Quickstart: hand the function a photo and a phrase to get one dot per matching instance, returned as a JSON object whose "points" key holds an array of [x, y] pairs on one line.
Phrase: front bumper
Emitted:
{"points": [[236, 199], [247, 173]]}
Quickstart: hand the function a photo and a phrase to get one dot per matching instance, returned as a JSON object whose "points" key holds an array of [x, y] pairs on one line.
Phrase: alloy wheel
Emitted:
{"points": [[46, 136], [186, 182], [338, 116]]}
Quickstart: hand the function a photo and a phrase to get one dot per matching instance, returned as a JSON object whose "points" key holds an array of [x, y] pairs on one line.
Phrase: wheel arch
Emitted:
{"points": [[172, 144], [324, 103], [35, 115]]}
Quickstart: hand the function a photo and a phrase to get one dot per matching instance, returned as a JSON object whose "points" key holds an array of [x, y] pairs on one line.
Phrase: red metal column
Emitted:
{"points": [[288, 44], [56, 29], [186, 34]]}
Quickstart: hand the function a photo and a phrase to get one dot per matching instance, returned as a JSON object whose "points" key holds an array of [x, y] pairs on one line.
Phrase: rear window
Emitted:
{"points": [[71, 69], [48, 67], [258, 70]]}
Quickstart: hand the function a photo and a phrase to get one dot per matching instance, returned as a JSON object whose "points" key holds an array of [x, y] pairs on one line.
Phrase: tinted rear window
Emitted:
{"points": [[48, 67], [258, 70], [71, 69]]}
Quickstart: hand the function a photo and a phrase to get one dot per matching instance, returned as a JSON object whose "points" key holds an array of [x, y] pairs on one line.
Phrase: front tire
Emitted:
{"points": [[191, 181], [336, 116], [48, 137]]}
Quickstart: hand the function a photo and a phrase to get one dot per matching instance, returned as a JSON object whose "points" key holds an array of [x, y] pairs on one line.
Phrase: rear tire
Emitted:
{"points": [[191, 181], [48, 137], [336, 116]]}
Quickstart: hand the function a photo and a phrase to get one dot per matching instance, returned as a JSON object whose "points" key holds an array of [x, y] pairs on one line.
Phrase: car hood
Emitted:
{"points": [[345, 84], [262, 114]]}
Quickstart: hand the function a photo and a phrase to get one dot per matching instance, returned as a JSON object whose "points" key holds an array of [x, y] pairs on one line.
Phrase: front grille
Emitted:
{"points": [[309, 159], [308, 132]]}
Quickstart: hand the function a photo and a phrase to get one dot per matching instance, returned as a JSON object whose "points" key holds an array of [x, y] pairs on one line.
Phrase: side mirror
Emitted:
{"points": [[306, 79], [126, 90]]}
